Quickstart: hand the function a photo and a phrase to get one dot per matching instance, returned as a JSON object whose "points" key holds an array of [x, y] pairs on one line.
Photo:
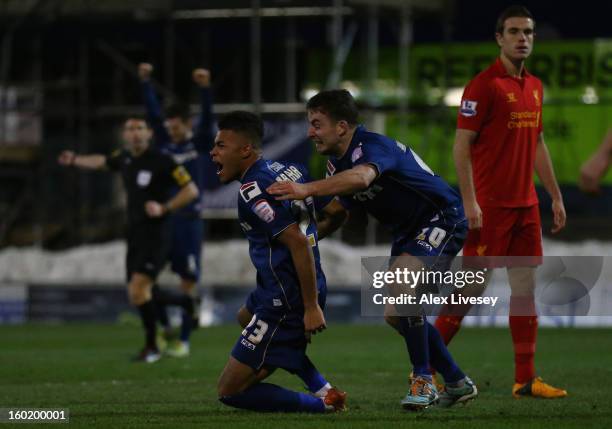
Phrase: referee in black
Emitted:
{"points": [[148, 177]]}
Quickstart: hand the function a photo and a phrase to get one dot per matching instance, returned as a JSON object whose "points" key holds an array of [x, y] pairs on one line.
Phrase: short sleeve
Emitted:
{"points": [[113, 161], [380, 154], [179, 174], [475, 105], [270, 215]]}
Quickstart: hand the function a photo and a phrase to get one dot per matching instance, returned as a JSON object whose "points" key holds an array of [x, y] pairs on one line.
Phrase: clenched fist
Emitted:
{"points": [[201, 77], [66, 158], [145, 70], [154, 209]]}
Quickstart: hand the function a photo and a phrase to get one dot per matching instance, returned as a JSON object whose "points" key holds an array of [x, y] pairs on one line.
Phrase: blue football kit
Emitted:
{"points": [[187, 226], [423, 213], [275, 336], [426, 219]]}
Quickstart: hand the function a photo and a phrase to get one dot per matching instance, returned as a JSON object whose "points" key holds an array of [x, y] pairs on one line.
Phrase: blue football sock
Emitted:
{"points": [[186, 326], [270, 397], [414, 331], [441, 359], [311, 376]]}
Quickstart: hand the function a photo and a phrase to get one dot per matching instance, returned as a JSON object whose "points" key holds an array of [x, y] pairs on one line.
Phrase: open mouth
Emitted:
{"points": [[219, 167]]}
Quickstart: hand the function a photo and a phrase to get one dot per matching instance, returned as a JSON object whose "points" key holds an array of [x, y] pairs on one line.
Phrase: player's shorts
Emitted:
{"points": [[438, 241], [186, 246], [506, 231], [147, 248], [436, 244], [273, 338]]}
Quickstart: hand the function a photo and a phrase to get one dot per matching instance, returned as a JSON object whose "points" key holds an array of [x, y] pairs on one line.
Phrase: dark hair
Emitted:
{"points": [[246, 123], [137, 118], [514, 11], [338, 104], [178, 110]]}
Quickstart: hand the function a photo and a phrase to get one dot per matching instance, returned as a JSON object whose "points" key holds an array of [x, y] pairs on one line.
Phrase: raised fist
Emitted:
{"points": [[201, 77], [144, 71]]}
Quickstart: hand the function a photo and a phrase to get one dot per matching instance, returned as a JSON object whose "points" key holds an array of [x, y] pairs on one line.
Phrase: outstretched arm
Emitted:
{"points": [[88, 162], [347, 182]]}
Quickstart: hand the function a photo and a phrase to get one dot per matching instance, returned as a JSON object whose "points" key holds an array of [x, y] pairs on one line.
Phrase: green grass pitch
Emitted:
{"points": [[86, 369]]}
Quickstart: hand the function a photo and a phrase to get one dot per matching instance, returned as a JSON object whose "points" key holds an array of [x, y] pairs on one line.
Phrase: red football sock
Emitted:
{"points": [[524, 331], [448, 326]]}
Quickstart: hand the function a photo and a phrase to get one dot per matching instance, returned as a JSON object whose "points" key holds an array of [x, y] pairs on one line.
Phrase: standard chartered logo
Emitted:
{"points": [[527, 119]]}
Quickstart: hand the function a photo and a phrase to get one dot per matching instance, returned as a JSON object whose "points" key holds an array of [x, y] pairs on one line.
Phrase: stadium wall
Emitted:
{"points": [[87, 284]]}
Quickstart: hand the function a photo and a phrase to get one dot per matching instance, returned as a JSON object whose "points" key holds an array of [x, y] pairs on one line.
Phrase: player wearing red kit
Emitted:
{"points": [[498, 145]]}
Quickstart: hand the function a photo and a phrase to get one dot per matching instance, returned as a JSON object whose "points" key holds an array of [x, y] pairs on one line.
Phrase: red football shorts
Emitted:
{"points": [[507, 231]]}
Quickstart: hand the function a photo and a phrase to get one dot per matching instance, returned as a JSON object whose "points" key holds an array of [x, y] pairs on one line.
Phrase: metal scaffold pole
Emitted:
{"points": [[256, 55], [405, 41], [372, 55]]}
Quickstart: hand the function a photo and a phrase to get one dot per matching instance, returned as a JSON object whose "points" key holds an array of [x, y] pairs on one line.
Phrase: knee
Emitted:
{"points": [[225, 390], [138, 297], [232, 400], [415, 321], [226, 400], [403, 324], [139, 292], [222, 393], [522, 281]]}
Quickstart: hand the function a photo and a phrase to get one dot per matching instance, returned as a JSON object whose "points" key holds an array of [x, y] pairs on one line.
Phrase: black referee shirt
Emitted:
{"points": [[148, 177]]}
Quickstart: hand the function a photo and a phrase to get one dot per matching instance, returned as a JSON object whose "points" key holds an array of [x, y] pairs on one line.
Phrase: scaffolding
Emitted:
{"points": [[68, 98]]}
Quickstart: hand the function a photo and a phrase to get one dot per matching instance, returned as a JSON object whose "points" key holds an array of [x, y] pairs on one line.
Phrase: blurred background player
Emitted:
{"points": [[149, 178], [595, 168], [423, 213], [498, 144], [291, 289], [188, 146]]}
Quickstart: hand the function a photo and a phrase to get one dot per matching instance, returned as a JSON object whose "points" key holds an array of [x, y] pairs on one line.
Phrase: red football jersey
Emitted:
{"points": [[506, 112]]}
